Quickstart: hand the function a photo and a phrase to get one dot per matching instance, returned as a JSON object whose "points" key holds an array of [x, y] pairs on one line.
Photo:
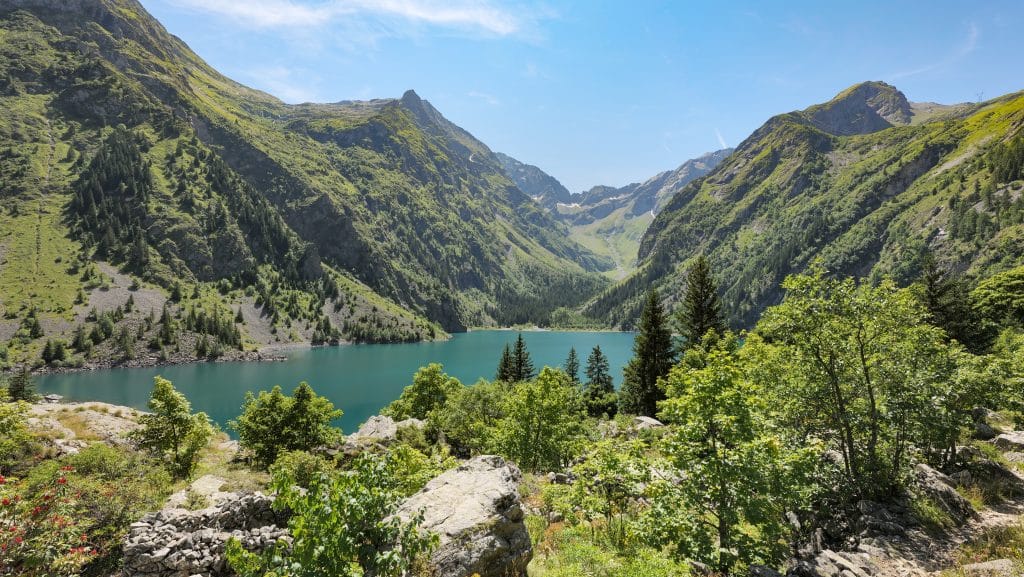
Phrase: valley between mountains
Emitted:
{"points": [[141, 184]]}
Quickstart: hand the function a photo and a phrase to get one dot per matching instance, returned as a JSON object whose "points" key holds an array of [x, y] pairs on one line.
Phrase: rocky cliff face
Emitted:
{"points": [[539, 185], [862, 109]]}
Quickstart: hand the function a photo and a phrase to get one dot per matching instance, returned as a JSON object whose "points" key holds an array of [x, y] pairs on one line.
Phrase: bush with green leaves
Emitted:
{"points": [[171, 431], [15, 441], [430, 389], [469, 419], [544, 422], [610, 482], [736, 481], [113, 488], [855, 365], [301, 466], [271, 423], [343, 525]]}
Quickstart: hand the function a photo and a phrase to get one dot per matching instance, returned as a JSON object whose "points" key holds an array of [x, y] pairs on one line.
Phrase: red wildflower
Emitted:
{"points": [[6, 501], [18, 539], [62, 481], [67, 468], [2, 479]]}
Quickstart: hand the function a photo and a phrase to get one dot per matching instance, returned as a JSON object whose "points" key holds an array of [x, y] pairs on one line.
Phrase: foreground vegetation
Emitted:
{"points": [[832, 399]]}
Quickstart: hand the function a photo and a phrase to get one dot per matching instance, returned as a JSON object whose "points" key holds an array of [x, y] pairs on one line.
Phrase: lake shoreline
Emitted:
{"points": [[272, 353], [358, 379]]}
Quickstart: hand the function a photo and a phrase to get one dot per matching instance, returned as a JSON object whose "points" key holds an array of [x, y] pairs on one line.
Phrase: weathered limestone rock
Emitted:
{"points": [[180, 543], [642, 423], [475, 509], [1012, 441], [996, 568], [380, 429]]}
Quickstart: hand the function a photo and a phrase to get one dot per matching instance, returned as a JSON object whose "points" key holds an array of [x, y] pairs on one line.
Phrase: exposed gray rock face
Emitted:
{"points": [[475, 509], [830, 563], [1012, 441], [382, 430], [180, 543], [942, 491]]}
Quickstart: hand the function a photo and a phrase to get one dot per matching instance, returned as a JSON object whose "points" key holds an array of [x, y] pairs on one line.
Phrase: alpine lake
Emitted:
{"points": [[358, 379]]}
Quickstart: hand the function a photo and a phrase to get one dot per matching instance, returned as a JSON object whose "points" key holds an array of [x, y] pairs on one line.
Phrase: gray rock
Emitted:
{"points": [[942, 491], [984, 431], [830, 563], [643, 423], [476, 511], [996, 568], [1012, 441], [379, 429]]}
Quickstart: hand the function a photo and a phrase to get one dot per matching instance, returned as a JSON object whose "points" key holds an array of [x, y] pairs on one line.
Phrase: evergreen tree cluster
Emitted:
{"points": [[1006, 160], [515, 364], [109, 201]]}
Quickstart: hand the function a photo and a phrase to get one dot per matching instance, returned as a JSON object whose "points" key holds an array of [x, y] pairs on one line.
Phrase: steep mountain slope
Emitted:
{"points": [[539, 185], [867, 183], [119, 144], [610, 221]]}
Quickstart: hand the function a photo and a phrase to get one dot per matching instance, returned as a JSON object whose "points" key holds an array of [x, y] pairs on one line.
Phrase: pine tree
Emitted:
{"points": [[504, 373], [522, 366], [599, 392], [700, 311], [948, 302], [572, 366], [652, 359], [21, 386]]}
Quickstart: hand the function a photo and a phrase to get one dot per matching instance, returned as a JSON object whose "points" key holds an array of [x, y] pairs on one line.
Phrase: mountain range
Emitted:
{"points": [[125, 159], [120, 145], [866, 184], [606, 219]]}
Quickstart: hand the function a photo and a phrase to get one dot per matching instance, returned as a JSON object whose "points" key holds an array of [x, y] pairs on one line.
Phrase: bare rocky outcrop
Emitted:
{"points": [[476, 511], [180, 543], [377, 431]]}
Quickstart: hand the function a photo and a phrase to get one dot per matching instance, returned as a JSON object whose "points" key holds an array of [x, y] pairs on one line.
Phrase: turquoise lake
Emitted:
{"points": [[359, 379]]}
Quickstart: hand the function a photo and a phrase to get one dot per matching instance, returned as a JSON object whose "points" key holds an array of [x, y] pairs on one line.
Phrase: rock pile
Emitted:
{"points": [[181, 543]]}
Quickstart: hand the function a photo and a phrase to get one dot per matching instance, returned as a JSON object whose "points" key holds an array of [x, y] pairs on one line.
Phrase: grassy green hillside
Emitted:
{"points": [[119, 145], [861, 183]]}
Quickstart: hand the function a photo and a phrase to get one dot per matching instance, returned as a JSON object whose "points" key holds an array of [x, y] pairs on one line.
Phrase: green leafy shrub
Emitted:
{"points": [[171, 431], [429, 390], [343, 525], [272, 422]]}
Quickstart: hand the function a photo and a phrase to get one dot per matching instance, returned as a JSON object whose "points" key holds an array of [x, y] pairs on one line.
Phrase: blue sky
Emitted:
{"points": [[598, 92]]}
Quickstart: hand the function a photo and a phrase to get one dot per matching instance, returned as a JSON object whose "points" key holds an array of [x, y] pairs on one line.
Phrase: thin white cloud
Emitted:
{"points": [[721, 141], [488, 98], [285, 83], [961, 51], [473, 15]]}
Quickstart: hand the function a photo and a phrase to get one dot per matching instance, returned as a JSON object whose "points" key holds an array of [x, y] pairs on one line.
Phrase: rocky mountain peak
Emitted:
{"points": [[862, 109]]}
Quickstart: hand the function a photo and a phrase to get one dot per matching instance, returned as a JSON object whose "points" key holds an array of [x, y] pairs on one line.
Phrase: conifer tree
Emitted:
{"points": [[599, 393], [522, 366], [21, 386], [652, 359], [504, 373], [572, 366], [700, 311]]}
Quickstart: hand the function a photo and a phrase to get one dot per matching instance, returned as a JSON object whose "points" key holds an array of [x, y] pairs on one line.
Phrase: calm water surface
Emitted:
{"points": [[359, 379]]}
